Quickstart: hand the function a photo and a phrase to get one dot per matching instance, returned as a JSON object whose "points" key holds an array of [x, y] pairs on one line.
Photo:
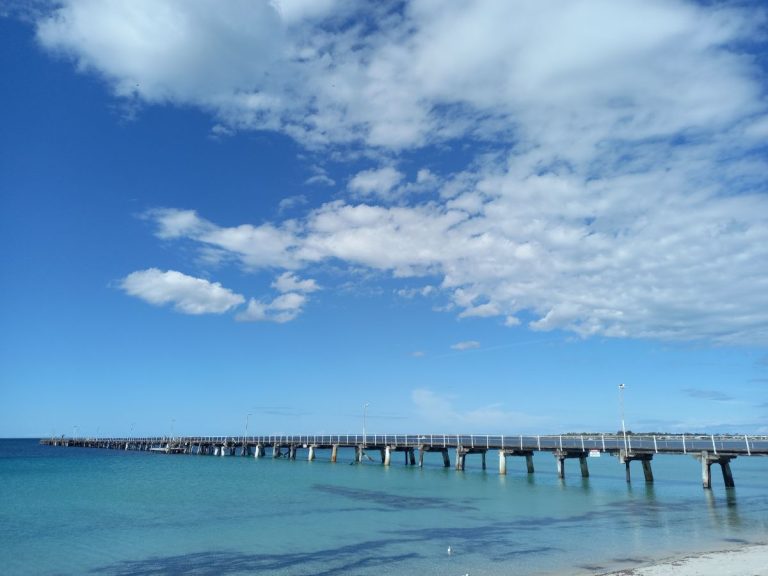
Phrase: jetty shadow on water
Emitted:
{"points": [[329, 562], [393, 501]]}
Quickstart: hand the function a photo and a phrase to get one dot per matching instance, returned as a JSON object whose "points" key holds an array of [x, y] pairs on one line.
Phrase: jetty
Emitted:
{"points": [[627, 448]]}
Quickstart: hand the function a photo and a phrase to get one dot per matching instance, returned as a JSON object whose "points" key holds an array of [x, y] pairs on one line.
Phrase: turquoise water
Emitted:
{"points": [[104, 512]]}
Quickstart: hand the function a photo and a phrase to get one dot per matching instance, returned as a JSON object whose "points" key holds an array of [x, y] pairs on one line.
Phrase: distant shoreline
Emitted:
{"points": [[746, 560]]}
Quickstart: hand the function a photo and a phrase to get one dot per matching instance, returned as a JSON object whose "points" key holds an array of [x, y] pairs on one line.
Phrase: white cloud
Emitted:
{"points": [[411, 292], [172, 51], [187, 294], [173, 223], [425, 176], [256, 311], [322, 179], [292, 202], [466, 345], [294, 11], [282, 309], [253, 246], [480, 311], [220, 131], [616, 181], [289, 282], [622, 256], [379, 182], [285, 307], [540, 73]]}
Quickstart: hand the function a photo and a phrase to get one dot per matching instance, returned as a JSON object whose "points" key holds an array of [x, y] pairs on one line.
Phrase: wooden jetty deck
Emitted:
{"points": [[710, 449]]}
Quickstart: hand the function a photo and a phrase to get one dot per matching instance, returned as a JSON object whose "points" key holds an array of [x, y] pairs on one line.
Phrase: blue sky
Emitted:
{"points": [[475, 218]]}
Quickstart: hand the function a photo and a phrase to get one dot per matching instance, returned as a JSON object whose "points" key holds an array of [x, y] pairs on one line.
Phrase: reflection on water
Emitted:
{"points": [[723, 508]]}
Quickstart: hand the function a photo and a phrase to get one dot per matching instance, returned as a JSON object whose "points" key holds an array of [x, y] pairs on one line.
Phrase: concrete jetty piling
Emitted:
{"points": [[626, 457], [710, 449], [724, 460], [528, 454], [562, 455]]}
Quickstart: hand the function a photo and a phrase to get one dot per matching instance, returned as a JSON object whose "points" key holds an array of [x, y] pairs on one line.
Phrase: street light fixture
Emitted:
{"points": [[365, 411], [246, 424], [623, 427]]}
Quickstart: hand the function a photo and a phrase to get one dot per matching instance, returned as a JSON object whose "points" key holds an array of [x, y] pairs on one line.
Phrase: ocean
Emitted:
{"points": [[108, 512]]}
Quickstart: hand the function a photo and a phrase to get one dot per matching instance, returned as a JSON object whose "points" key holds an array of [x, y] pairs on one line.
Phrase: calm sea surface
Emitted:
{"points": [[88, 511]]}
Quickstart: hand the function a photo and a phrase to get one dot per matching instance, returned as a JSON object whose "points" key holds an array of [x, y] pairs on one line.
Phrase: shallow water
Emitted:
{"points": [[104, 512]]}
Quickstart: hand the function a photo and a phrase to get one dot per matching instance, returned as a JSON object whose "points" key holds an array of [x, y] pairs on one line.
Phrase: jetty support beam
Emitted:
{"points": [[515, 452], [627, 457], [423, 448], [562, 455], [462, 451], [724, 460]]}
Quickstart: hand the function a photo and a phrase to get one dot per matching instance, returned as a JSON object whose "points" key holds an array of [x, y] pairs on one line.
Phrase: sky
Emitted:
{"points": [[307, 216]]}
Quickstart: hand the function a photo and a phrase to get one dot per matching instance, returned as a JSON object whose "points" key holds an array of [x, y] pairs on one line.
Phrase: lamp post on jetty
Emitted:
{"points": [[365, 410], [246, 424], [621, 404]]}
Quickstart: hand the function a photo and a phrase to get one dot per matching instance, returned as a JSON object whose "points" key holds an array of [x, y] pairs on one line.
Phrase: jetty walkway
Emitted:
{"points": [[711, 449]]}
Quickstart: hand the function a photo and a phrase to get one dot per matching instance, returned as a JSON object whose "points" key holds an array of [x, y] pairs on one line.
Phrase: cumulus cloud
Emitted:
{"points": [[174, 223], [412, 292], [322, 179], [637, 255], [289, 282], [187, 294], [536, 72], [612, 177], [379, 182], [170, 51], [295, 11], [286, 306], [282, 309], [292, 202], [253, 246]]}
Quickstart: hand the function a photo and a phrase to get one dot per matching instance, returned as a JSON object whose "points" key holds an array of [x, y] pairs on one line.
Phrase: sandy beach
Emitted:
{"points": [[751, 560]]}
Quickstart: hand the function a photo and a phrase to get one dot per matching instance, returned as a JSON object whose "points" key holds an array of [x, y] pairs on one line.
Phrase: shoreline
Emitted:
{"points": [[744, 560]]}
